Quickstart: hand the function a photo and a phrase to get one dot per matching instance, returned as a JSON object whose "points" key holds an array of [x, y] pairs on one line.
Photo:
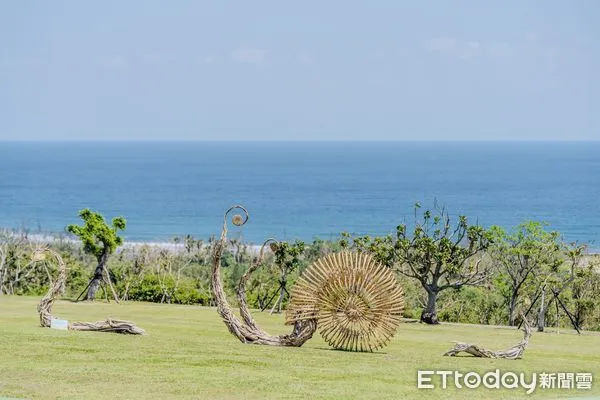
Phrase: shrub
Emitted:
{"points": [[150, 288]]}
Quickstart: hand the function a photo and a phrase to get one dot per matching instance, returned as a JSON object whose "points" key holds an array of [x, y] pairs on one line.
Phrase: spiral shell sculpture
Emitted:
{"points": [[356, 301]]}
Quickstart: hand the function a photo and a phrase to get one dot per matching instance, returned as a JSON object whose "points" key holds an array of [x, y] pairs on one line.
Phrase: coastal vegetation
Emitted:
{"points": [[450, 269]]}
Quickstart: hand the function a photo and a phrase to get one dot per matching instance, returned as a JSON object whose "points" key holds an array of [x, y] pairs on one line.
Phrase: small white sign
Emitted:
{"points": [[59, 324]]}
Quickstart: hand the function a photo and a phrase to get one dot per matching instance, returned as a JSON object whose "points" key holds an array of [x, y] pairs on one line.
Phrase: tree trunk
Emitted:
{"points": [[279, 303], [126, 294], [511, 308], [97, 279], [2, 269], [429, 314], [541, 322]]}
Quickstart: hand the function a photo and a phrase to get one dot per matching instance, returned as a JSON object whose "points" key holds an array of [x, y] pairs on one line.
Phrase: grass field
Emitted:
{"points": [[189, 354]]}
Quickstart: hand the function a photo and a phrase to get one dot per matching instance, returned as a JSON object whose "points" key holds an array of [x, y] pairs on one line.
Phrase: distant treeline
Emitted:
{"points": [[450, 271]]}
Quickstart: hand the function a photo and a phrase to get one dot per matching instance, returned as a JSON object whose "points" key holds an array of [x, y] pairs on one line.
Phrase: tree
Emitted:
{"points": [[287, 259], [100, 240], [438, 255], [8, 260], [17, 274], [585, 294], [135, 262], [560, 279], [526, 253], [168, 270]]}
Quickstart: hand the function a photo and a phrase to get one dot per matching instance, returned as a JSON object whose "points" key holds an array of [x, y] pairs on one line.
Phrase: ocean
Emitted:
{"points": [[299, 190]]}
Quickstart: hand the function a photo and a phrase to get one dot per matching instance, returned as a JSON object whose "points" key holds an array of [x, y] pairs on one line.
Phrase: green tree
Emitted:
{"points": [[527, 254], [585, 296], [560, 277], [438, 254], [287, 259], [100, 240]]}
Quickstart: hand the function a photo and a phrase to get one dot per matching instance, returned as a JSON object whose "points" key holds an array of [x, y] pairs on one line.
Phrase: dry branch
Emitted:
{"points": [[110, 325], [512, 353]]}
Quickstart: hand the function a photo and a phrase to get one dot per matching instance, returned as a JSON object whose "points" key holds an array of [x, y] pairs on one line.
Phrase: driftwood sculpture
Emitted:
{"points": [[513, 353], [355, 301], [57, 288], [247, 331]]}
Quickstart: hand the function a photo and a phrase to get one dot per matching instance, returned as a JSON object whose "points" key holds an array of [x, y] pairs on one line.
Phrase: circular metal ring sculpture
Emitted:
{"points": [[356, 301]]}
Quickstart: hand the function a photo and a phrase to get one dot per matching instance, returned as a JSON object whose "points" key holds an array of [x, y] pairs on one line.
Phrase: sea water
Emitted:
{"points": [[299, 190]]}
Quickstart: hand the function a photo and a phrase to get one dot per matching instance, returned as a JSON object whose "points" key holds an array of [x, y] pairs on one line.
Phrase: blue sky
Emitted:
{"points": [[311, 70]]}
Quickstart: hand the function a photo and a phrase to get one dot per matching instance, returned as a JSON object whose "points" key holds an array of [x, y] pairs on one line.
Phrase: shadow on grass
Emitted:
{"points": [[349, 351]]}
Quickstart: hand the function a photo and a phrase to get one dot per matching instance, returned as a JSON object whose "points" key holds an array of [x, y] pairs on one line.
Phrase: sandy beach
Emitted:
{"points": [[40, 238]]}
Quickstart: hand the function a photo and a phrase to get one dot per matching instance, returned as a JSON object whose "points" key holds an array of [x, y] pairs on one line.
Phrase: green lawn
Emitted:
{"points": [[189, 354]]}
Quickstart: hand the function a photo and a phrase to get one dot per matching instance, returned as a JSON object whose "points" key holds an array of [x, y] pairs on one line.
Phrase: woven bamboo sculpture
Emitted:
{"points": [[57, 288], [355, 302]]}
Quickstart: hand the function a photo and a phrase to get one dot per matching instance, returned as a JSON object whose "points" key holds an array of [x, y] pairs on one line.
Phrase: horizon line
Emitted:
{"points": [[297, 140]]}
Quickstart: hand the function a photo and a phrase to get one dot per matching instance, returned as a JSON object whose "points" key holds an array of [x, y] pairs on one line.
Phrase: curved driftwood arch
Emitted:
{"points": [[57, 289], [512, 353], [247, 331], [241, 288]]}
